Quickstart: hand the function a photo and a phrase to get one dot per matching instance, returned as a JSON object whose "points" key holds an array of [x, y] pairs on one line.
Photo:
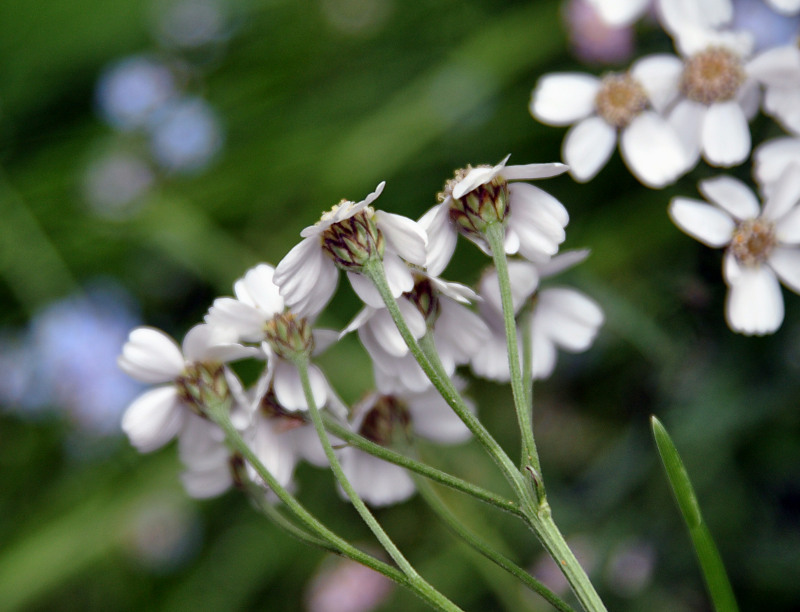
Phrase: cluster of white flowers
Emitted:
{"points": [[671, 110], [273, 311]]}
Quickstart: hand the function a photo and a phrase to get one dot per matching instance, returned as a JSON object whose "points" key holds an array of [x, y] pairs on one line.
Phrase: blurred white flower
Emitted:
{"points": [[132, 90], [594, 39], [624, 104], [772, 158], [185, 135], [761, 245]]}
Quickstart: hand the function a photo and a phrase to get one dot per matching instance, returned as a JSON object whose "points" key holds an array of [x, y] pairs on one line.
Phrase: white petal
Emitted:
{"points": [[776, 66], [529, 172], [491, 361], [364, 315], [151, 356], [477, 177], [365, 290], [786, 7], [783, 103], [432, 418], [706, 223], [207, 343], [153, 419], [544, 354], [306, 277], [386, 333], [786, 263], [754, 305], [660, 75], [653, 151], [732, 195], [441, 237], [787, 230], [275, 449], [377, 482], [201, 444], [397, 274], [247, 321], [404, 236], [562, 261], [524, 278], [587, 147], [323, 339], [785, 194], [461, 330], [725, 134], [687, 118], [207, 483], [260, 287], [749, 98], [564, 98], [538, 219], [568, 317], [619, 13], [289, 389]]}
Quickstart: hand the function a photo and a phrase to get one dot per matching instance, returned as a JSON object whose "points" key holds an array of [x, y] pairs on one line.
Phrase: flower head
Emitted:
{"points": [[762, 245]]}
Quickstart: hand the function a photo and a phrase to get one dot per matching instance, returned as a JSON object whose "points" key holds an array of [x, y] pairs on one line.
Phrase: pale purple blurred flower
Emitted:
{"points": [[347, 586], [630, 568], [546, 570], [592, 40], [131, 90], [115, 182], [186, 135]]}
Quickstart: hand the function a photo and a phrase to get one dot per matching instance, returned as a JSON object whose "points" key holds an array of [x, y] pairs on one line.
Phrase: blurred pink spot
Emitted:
{"points": [[592, 40], [347, 586]]}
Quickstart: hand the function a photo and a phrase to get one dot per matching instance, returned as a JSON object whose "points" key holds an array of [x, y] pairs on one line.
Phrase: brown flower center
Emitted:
{"points": [[386, 414], [753, 241], [713, 75], [620, 99]]}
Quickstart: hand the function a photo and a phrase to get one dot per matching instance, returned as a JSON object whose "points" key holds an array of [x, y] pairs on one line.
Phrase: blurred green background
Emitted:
{"points": [[278, 110]]}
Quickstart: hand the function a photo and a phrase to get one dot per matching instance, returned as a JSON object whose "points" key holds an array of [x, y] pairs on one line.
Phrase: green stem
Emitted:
{"points": [[495, 236], [420, 584], [444, 513], [374, 270], [423, 469], [218, 413]]}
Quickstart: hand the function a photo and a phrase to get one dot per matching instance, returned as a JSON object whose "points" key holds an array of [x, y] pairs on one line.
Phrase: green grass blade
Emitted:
{"points": [[719, 587]]}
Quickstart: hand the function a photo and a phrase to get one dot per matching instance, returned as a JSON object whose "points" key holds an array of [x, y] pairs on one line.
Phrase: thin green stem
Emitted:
{"points": [[446, 515], [219, 414], [423, 469], [495, 235], [419, 583], [374, 270]]}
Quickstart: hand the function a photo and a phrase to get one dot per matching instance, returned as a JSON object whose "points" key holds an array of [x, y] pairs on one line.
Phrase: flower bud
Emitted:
{"points": [[201, 385], [289, 336], [354, 241], [473, 212]]}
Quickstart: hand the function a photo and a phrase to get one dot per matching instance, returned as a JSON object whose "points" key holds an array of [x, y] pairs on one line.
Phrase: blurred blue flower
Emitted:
{"points": [[67, 360], [769, 28], [132, 89], [186, 135]]}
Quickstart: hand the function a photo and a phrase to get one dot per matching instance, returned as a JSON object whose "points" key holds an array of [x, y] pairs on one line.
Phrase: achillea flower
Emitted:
{"points": [[561, 317], [475, 197], [762, 245], [258, 314], [196, 373], [347, 237], [384, 418], [600, 110]]}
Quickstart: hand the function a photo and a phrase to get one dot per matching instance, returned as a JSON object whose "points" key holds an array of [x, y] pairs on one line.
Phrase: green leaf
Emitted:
{"points": [[719, 587]]}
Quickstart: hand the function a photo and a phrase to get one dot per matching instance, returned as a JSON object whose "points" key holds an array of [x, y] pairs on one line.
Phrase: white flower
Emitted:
{"points": [[672, 12], [778, 69], [380, 418], [535, 220], [259, 308], [435, 305], [151, 356], [562, 318], [599, 109], [762, 245], [347, 236]]}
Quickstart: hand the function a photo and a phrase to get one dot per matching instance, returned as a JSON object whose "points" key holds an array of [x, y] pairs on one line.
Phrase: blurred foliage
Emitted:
{"points": [[314, 112]]}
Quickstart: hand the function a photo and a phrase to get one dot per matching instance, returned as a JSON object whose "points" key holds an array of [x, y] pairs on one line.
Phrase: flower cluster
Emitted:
{"points": [[271, 318], [670, 110]]}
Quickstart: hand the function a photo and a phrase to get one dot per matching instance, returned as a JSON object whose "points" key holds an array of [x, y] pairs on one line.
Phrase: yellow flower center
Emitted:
{"points": [[620, 99], [713, 75], [753, 241]]}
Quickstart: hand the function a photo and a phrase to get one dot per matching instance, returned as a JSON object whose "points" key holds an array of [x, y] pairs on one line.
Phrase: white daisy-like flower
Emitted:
{"points": [[715, 90], [778, 69], [150, 356], [380, 418], [348, 236], [672, 12], [257, 314], [534, 219], [562, 318], [599, 109], [772, 158], [432, 305], [762, 245]]}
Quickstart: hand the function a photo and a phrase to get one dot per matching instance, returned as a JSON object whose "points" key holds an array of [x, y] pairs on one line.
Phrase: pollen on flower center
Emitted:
{"points": [[753, 241], [380, 422], [620, 99], [713, 75], [353, 241]]}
